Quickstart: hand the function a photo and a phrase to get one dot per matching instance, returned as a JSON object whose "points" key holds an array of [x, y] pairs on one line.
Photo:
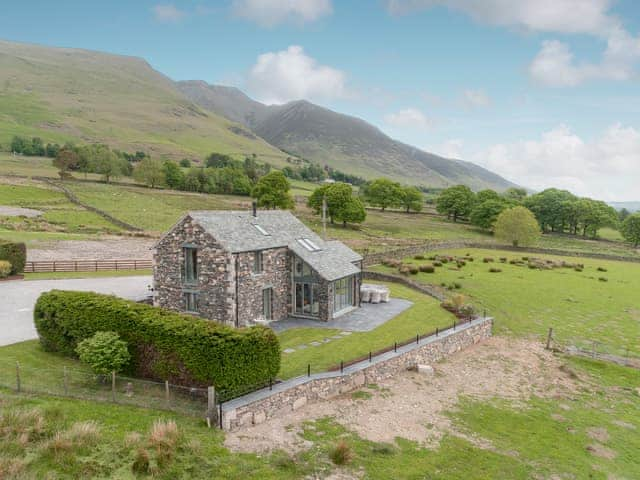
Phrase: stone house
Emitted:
{"points": [[245, 267]]}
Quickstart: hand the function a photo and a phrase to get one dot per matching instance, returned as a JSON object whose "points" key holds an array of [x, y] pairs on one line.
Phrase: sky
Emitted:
{"points": [[544, 92]]}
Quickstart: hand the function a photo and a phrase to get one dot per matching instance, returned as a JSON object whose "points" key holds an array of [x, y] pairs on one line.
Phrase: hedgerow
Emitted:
{"points": [[164, 345], [15, 254]]}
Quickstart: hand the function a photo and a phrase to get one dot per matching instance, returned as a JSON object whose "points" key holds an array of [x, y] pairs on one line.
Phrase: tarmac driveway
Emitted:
{"points": [[17, 299]]}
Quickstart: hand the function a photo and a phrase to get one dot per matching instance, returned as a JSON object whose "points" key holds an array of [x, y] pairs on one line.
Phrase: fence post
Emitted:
{"points": [[395, 347], [166, 393], [220, 415], [211, 405], [113, 386], [437, 331], [341, 366], [65, 381], [454, 325], [369, 356], [18, 386], [549, 338], [308, 369], [418, 338], [270, 383]]}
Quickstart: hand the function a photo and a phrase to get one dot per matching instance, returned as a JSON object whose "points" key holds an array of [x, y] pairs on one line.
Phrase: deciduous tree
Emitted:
{"points": [[517, 226], [631, 229], [412, 199], [383, 193], [150, 171], [456, 202], [272, 191]]}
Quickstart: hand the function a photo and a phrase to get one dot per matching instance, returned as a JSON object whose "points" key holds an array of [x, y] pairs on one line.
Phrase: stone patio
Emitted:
{"points": [[363, 319]]}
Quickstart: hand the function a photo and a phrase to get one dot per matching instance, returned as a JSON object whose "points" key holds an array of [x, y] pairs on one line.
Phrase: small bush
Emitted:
{"points": [[427, 269], [15, 254], [141, 462], [526, 259], [503, 259], [419, 257], [444, 260], [104, 353], [602, 269], [404, 270], [414, 270], [603, 279], [5, 269], [533, 266], [437, 264], [577, 268], [341, 454], [487, 260], [471, 259], [461, 263], [495, 270]]}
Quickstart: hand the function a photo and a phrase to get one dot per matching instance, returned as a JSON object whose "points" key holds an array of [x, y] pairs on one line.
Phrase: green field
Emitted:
{"points": [[492, 438], [577, 305]]}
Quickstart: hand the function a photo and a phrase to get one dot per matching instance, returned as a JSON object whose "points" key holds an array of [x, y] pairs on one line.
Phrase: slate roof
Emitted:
{"points": [[237, 232]]}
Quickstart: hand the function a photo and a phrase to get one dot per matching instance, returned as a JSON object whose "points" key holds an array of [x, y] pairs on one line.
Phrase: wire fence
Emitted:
{"points": [[113, 388], [625, 355]]}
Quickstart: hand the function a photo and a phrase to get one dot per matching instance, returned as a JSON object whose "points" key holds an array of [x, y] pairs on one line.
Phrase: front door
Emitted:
{"points": [[267, 302]]}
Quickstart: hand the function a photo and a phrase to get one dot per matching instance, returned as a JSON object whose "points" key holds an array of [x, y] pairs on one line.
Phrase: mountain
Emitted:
{"points": [[631, 206], [63, 94], [341, 141]]}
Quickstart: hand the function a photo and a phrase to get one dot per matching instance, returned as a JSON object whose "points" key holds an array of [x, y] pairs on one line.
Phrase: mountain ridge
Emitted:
{"points": [[339, 140]]}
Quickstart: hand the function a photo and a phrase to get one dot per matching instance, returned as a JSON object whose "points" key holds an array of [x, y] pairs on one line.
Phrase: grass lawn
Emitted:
{"points": [[32, 239], [526, 302], [109, 273], [422, 317]]}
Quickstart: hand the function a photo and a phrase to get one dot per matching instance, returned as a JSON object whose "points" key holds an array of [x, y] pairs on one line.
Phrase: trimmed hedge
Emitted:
{"points": [[164, 345], [15, 254]]}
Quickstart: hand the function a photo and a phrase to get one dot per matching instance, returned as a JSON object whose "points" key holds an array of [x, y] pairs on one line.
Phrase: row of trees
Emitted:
{"points": [[385, 193], [95, 158], [555, 210]]}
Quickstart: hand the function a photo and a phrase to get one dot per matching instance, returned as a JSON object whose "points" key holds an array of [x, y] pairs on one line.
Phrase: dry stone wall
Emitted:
{"points": [[293, 394]]}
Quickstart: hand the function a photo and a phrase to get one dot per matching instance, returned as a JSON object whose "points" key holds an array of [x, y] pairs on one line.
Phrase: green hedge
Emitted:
{"points": [[164, 345], [15, 254]]}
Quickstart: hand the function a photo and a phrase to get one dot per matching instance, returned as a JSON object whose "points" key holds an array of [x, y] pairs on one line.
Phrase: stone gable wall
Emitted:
{"points": [[284, 399], [215, 286]]}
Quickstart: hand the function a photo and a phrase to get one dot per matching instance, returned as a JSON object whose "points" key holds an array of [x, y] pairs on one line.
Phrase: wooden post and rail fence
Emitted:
{"points": [[86, 265]]}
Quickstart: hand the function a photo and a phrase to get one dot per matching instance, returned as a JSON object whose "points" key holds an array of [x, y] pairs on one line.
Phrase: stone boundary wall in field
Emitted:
{"points": [[400, 253], [285, 397], [420, 287], [73, 199]]}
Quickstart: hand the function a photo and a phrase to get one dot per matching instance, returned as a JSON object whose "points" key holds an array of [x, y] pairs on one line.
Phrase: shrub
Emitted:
{"points": [[495, 270], [602, 269], [419, 257], [503, 259], [456, 285], [603, 279], [15, 254], [414, 270], [341, 454], [577, 268], [404, 270], [163, 345], [5, 269], [461, 263], [427, 268], [471, 259], [104, 352], [437, 264], [487, 260], [533, 266], [444, 260]]}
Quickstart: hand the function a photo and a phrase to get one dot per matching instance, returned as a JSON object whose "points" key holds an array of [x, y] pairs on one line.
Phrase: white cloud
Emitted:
{"points": [[475, 98], [279, 77], [269, 13], [606, 167], [409, 118], [566, 16], [450, 149], [555, 65], [167, 13]]}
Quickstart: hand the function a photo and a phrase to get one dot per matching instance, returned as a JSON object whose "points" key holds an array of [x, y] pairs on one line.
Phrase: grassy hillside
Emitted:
{"points": [[84, 96]]}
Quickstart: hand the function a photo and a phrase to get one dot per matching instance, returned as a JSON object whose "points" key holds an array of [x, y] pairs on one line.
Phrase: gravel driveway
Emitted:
{"points": [[19, 297]]}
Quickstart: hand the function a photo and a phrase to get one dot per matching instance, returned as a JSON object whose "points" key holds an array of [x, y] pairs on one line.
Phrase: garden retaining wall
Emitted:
{"points": [[285, 397]]}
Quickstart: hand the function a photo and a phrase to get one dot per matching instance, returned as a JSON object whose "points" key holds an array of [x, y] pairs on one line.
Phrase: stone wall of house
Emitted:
{"points": [[237, 413], [276, 274], [215, 288]]}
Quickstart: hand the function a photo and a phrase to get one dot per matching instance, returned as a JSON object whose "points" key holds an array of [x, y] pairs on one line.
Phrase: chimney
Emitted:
{"points": [[254, 207]]}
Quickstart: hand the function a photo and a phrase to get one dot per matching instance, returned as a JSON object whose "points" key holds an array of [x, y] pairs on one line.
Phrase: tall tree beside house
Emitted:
{"points": [[383, 193], [272, 191], [66, 159], [518, 227], [150, 171], [631, 229], [456, 202], [342, 205], [412, 199]]}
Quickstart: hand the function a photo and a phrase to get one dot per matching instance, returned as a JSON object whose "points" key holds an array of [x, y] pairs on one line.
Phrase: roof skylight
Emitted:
{"points": [[261, 230], [309, 245]]}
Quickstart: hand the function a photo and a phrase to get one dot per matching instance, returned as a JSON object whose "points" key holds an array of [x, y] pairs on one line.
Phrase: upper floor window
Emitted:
{"points": [[190, 265], [258, 262]]}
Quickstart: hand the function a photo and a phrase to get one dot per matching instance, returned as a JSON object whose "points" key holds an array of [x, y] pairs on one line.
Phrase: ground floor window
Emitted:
{"points": [[191, 302], [342, 294], [267, 303], [307, 301]]}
